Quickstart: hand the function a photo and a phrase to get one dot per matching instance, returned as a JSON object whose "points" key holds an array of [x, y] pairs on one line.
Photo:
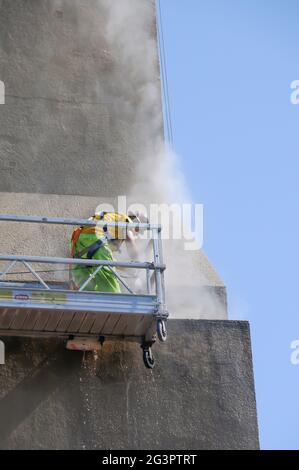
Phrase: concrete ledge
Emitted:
{"points": [[201, 293], [199, 396]]}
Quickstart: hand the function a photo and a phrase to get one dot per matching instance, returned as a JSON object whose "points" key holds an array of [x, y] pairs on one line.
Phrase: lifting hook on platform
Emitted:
{"points": [[148, 358], [161, 331]]}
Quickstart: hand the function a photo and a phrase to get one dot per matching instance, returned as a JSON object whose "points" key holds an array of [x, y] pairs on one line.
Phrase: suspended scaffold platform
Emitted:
{"points": [[45, 307]]}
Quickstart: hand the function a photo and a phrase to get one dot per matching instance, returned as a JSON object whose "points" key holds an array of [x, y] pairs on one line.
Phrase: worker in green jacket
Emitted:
{"points": [[99, 243]]}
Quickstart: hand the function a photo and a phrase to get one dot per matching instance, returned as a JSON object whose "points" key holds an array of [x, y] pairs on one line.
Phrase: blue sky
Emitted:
{"points": [[230, 65]]}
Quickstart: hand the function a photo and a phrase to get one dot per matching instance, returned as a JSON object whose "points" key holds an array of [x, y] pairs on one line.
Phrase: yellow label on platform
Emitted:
{"points": [[49, 297], [5, 294]]}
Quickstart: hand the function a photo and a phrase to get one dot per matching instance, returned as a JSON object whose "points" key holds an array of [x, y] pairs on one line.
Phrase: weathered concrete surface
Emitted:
{"points": [[75, 120], [199, 396]]}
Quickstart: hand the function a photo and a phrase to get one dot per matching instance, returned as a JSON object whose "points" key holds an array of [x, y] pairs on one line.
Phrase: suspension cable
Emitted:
{"points": [[164, 73]]}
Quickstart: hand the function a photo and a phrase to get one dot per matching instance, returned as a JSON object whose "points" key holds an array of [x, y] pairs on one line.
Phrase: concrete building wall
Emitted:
{"points": [[199, 396], [67, 126]]}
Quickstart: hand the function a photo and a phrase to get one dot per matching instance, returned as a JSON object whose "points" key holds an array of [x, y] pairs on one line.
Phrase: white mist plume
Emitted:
{"points": [[130, 33]]}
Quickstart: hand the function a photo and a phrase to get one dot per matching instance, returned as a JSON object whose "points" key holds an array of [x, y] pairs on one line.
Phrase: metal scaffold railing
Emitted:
{"points": [[45, 306]]}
